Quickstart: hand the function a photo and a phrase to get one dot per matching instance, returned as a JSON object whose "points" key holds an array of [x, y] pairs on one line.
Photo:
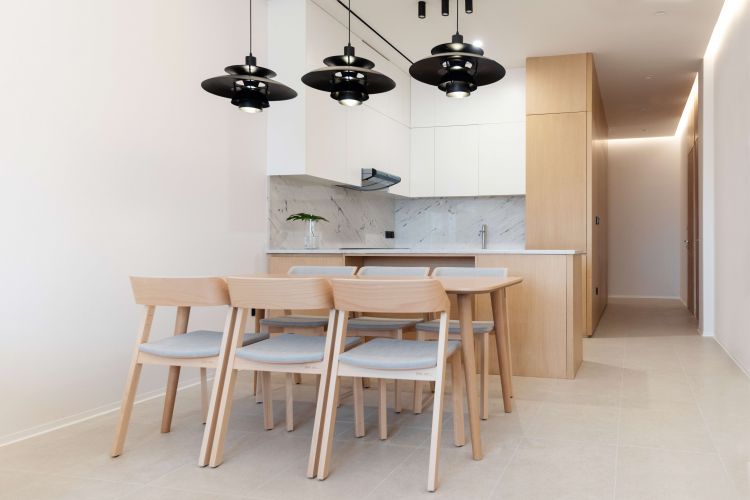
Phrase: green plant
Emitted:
{"points": [[306, 217]]}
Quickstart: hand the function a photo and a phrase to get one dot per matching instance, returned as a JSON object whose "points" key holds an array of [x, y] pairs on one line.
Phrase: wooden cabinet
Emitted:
{"points": [[566, 167]]}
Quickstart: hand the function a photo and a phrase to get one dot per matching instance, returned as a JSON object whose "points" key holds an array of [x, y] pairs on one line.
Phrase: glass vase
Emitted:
{"points": [[312, 238]]}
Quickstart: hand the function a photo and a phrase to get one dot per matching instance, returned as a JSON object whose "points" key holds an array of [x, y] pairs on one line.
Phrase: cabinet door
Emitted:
{"points": [[422, 162], [502, 159], [556, 181], [325, 144], [385, 146], [456, 161]]}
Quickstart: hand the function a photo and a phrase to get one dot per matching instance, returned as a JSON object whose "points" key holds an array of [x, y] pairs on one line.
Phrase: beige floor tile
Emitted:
{"points": [[357, 468], [154, 493], [646, 473], [572, 422], [668, 425], [570, 471], [460, 476], [649, 385], [71, 488], [13, 481]]}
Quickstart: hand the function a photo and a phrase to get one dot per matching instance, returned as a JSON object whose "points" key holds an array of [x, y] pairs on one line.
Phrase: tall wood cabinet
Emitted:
{"points": [[566, 168]]}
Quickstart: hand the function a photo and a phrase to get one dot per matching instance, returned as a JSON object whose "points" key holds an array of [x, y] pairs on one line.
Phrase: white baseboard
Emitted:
{"points": [[742, 368], [85, 415]]}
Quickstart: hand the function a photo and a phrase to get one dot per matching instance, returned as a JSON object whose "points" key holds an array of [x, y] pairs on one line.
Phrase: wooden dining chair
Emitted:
{"points": [[197, 348], [429, 331], [301, 323], [288, 353], [395, 358], [392, 328]]}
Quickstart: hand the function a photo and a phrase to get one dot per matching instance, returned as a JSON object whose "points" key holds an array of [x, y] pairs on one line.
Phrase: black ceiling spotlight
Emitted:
{"points": [[444, 8], [421, 9], [457, 68], [249, 87], [349, 79], [469, 6]]}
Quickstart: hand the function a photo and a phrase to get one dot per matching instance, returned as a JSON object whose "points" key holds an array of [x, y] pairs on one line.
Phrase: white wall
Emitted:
{"points": [[726, 120], [114, 162], [644, 189]]}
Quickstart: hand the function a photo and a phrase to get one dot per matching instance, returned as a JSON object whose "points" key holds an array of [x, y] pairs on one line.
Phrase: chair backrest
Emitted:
{"points": [[390, 296], [495, 272], [180, 292], [281, 293], [385, 271], [322, 270]]}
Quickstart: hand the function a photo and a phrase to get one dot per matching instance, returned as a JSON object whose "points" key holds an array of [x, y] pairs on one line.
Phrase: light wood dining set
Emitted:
{"points": [[367, 326]]}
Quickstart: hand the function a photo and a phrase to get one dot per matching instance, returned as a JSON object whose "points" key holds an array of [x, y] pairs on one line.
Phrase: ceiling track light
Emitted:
{"points": [[445, 8], [457, 68], [249, 87], [349, 79], [469, 6], [421, 9]]}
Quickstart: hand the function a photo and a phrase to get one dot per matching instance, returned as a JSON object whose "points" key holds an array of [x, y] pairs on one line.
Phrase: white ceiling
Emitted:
{"points": [[629, 40]]}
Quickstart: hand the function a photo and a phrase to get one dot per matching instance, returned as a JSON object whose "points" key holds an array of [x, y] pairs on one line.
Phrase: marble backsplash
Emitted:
{"points": [[356, 219], [455, 222], [360, 219]]}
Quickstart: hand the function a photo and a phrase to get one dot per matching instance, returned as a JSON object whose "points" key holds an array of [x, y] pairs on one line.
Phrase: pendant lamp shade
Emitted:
{"points": [[457, 68], [248, 86], [349, 79]]}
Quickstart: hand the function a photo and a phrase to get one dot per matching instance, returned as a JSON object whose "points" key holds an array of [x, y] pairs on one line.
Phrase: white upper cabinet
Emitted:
{"points": [[422, 162], [478, 142], [502, 159], [313, 134], [456, 156]]}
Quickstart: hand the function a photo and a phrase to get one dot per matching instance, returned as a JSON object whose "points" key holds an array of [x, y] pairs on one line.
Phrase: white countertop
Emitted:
{"points": [[424, 251]]}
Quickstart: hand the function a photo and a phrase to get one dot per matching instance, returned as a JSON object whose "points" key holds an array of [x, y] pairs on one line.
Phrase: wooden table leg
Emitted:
{"points": [[502, 336], [470, 369]]}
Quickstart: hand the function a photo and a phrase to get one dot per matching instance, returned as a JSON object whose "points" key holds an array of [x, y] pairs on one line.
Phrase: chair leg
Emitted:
{"points": [[318, 423], [297, 378], [457, 372], [267, 401], [484, 375], [326, 442], [255, 383], [383, 409], [366, 382], [417, 404], [289, 402], [126, 408], [397, 383], [259, 389], [359, 408], [222, 419], [204, 395], [172, 380], [437, 427]]}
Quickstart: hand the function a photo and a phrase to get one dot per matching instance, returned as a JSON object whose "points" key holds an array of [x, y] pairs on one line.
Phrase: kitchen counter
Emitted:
{"points": [[546, 311], [422, 251]]}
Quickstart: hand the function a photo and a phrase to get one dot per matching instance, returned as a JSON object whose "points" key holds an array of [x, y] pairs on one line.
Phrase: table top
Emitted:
{"points": [[461, 285]]}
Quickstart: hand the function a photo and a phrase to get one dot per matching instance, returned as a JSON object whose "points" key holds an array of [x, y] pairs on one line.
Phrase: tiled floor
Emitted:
{"points": [[656, 412]]}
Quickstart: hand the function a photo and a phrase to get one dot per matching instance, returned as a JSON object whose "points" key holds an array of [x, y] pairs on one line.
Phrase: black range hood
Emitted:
{"points": [[374, 180]]}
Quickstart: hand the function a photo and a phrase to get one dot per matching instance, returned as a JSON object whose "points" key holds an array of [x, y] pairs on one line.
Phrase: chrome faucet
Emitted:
{"points": [[483, 234]]}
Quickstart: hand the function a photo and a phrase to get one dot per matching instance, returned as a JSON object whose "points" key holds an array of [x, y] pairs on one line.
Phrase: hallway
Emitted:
{"points": [[657, 412]]}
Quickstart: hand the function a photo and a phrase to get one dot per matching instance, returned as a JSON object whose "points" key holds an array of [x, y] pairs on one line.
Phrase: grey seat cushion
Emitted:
{"points": [[292, 321], [197, 344], [455, 327], [370, 323], [290, 348], [391, 354]]}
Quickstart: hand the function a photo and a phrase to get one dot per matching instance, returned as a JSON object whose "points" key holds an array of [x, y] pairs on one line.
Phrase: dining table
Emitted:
{"points": [[465, 288]]}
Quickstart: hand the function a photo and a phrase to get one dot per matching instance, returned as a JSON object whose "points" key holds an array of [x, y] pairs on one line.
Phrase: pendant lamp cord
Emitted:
{"points": [[349, 8], [457, 17], [251, 25]]}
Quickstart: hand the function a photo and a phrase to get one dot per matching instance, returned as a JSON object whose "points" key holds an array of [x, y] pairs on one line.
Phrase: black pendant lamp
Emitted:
{"points": [[457, 68], [250, 87], [349, 79]]}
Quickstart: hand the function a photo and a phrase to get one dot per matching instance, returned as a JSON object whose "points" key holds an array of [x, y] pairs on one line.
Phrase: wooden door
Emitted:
{"points": [[692, 234]]}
